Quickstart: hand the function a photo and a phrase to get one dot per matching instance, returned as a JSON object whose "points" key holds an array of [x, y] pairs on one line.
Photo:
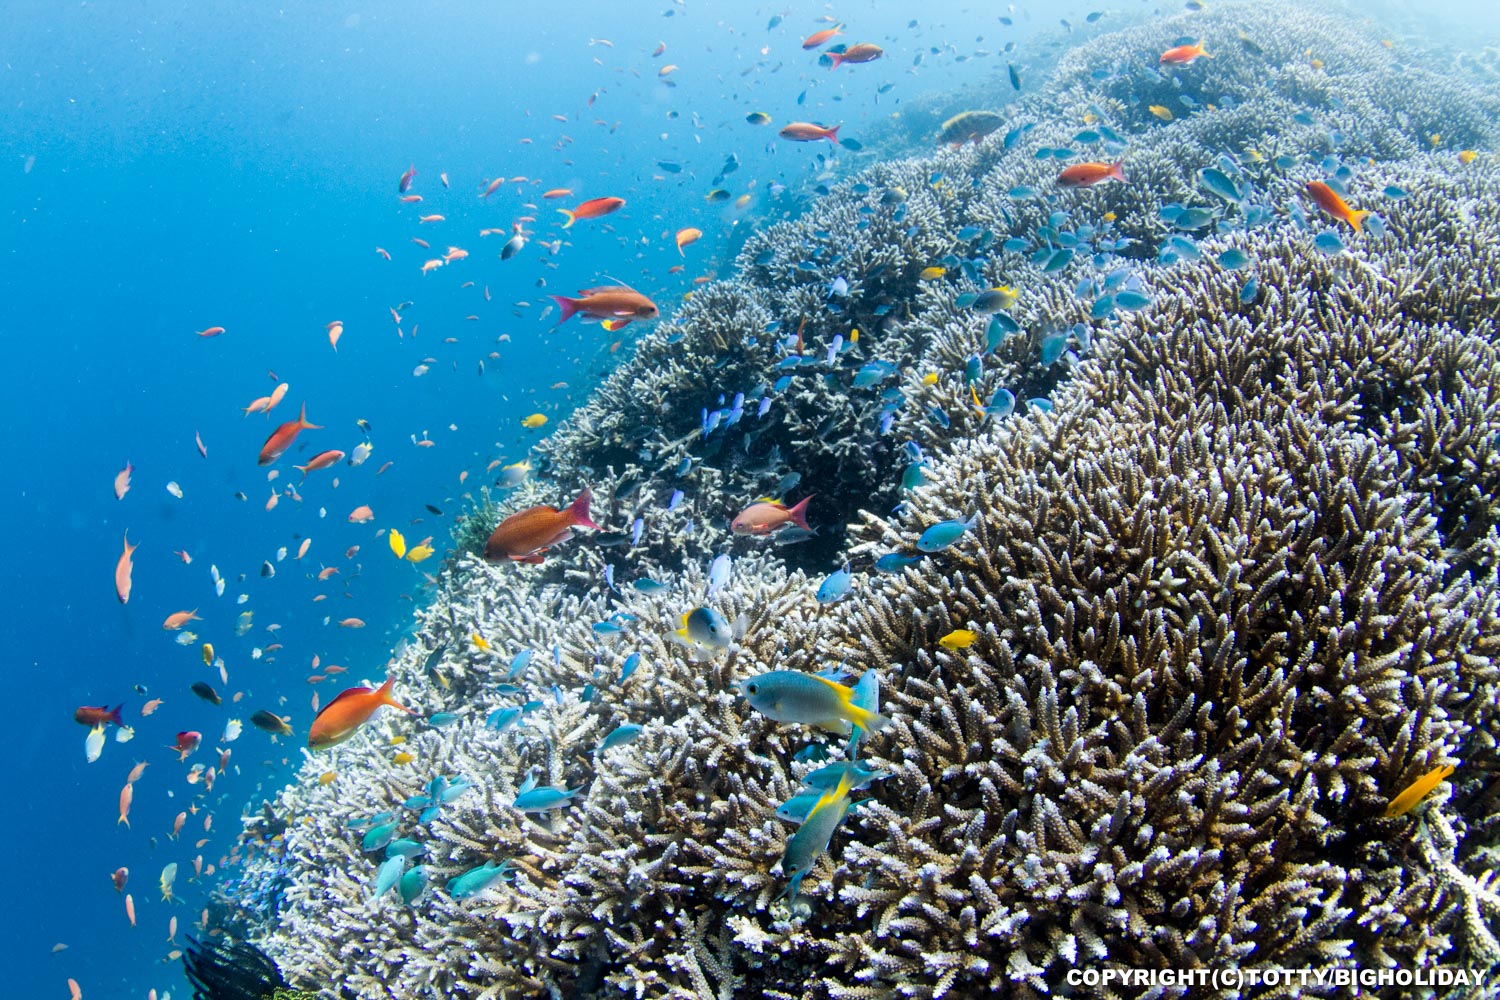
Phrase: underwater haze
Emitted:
{"points": [[836, 488]]}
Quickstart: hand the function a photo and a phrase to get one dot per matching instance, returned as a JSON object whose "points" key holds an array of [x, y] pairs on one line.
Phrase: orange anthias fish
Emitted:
{"points": [[1089, 174], [282, 437], [817, 38], [557, 193], [92, 716], [592, 209], [187, 742], [351, 709], [766, 516], [407, 178], [809, 132], [862, 53], [686, 237], [322, 460], [1182, 55], [123, 569], [526, 534], [1329, 201], [609, 302]]}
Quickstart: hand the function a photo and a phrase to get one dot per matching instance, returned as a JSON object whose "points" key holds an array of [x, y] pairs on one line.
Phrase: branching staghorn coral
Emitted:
{"points": [[1235, 592]]}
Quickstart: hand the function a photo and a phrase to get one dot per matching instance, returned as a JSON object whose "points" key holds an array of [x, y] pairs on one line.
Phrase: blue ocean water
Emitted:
{"points": [[171, 167]]}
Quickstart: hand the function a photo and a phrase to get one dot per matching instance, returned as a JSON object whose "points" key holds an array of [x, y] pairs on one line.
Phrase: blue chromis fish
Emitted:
{"points": [[620, 736], [817, 829], [705, 628], [835, 585], [944, 534], [545, 798], [476, 880], [895, 562], [413, 884], [810, 700], [390, 872]]}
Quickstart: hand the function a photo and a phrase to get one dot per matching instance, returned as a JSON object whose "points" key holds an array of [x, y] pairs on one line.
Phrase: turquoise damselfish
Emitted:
{"points": [[476, 880], [812, 700], [944, 534]]}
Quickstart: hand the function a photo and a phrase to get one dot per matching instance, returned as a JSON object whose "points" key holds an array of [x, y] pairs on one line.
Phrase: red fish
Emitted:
{"points": [[187, 742], [493, 186], [615, 303], [862, 53], [351, 709], [766, 516], [817, 38], [91, 716], [282, 437], [527, 533], [406, 178], [592, 209], [1182, 55], [809, 132], [1089, 174], [1329, 201]]}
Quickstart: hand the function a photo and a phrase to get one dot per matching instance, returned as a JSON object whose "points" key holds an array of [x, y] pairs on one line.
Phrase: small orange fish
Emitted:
{"points": [[383, 252], [151, 706], [1329, 201], [764, 517], [212, 331], [282, 437], [810, 132], [614, 302], [130, 909], [198, 439], [817, 38], [1089, 174], [322, 460], [352, 623], [127, 795], [431, 218], [687, 237], [361, 514], [592, 209], [123, 569], [336, 330], [526, 534], [862, 53], [557, 193], [177, 619], [342, 716], [1183, 55]]}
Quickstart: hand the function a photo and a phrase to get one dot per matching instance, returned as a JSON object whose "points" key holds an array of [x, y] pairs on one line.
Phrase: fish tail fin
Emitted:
{"points": [[1357, 219], [863, 718], [578, 510], [125, 820], [302, 469], [572, 217], [837, 58], [114, 716], [302, 420], [566, 306], [1117, 171], [833, 133], [383, 696], [1201, 52], [798, 514]]}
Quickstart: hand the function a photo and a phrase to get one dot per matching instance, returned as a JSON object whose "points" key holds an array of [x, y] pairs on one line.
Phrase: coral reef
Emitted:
{"points": [[1232, 574]]}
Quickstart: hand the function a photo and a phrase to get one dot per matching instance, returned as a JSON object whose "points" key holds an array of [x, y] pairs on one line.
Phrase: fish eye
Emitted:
{"points": [[752, 688]]}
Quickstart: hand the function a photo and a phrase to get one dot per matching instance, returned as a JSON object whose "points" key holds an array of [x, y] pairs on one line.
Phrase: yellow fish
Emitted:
{"points": [[480, 641], [398, 544], [1436, 139], [1110, 217], [930, 378], [1161, 112], [930, 273], [327, 777], [208, 654], [534, 421], [959, 638], [403, 758], [742, 201], [1467, 157], [1417, 791], [419, 552], [854, 333], [396, 741]]}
